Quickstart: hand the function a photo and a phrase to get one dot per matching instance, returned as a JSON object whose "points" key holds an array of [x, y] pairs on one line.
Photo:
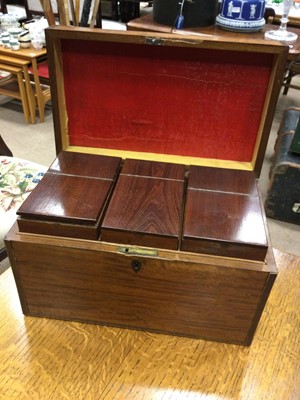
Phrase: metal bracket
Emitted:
{"points": [[154, 41]]}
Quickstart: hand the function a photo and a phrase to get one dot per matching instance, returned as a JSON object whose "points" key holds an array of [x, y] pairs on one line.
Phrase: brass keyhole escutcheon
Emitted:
{"points": [[136, 265]]}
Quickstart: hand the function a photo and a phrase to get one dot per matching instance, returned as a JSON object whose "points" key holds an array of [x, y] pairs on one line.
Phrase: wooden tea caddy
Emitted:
{"points": [[180, 115]]}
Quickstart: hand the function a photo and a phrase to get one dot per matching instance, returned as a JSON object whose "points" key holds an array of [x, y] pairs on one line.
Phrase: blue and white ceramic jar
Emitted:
{"points": [[242, 15]]}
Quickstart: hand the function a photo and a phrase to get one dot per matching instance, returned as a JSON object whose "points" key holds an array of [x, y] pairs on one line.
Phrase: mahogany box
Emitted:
{"points": [[150, 218]]}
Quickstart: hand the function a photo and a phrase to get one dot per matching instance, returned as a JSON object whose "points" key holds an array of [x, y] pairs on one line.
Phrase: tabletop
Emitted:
{"points": [[30, 53], [146, 23], [47, 359]]}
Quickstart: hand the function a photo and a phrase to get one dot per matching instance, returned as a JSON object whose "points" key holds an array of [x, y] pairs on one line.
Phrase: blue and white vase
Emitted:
{"points": [[242, 15]]}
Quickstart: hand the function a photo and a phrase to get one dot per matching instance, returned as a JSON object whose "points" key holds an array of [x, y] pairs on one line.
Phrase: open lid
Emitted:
{"points": [[184, 99]]}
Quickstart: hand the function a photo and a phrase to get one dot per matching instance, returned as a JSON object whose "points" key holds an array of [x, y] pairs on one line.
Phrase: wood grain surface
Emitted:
{"points": [[67, 199], [227, 224], [154, 169], [146, 23], [222, 180], [144, 211], [60, 229], [43, 359], [181, 298], [90, 165]]}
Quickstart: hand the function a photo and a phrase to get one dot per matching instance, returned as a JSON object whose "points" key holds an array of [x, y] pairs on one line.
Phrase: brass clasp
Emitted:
{"points": [[137, 251]]}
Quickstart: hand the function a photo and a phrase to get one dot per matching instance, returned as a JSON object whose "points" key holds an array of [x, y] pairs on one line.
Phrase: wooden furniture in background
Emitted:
{"points": [[31, 57], [15, 87], [48, 11], [65, 12], [45, 359], [24, 64], [42, 90]]}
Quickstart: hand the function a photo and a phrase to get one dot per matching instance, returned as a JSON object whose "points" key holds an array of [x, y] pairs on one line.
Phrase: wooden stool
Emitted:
{"points": [[15, 87]]}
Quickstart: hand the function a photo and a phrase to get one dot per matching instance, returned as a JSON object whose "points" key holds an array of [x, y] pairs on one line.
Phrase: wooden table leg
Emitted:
{"points": [[30, 95], [24, 99], [40, 98]]}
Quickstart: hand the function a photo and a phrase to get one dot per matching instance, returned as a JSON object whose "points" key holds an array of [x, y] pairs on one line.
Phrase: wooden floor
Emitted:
{"points": [[53, 360]]}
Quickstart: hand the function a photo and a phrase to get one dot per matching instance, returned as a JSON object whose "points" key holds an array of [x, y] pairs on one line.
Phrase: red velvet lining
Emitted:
{"points": [[170, 100], [43, 70]]}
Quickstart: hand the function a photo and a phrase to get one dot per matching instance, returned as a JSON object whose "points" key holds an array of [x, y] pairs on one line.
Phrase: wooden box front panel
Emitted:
{"points": [[188, 298]]}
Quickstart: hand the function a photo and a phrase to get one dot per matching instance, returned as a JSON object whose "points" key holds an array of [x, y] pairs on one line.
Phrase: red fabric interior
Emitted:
{"points": [[43, 70], [170, 100]]}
